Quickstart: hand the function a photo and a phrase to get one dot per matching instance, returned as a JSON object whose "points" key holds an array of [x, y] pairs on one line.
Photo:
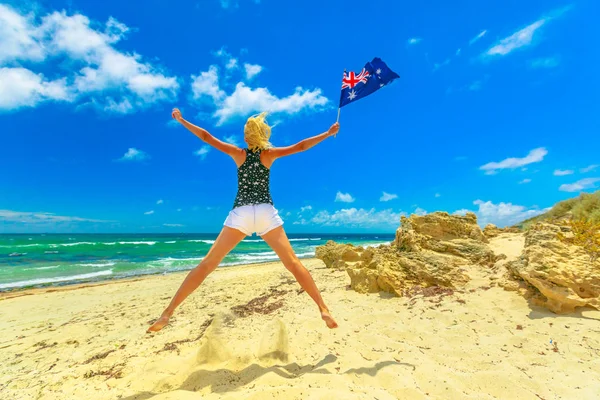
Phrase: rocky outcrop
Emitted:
{"points": [[447, 234], [561, 275], [491, 231], [443, 226], [334, 255], [389, 270], [428, 251]]}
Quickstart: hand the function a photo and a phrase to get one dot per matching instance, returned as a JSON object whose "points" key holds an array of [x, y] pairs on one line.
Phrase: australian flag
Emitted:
{"points": [[373, 77]]}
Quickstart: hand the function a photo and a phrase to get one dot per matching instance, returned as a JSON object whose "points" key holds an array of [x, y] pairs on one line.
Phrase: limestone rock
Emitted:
{"points": [[443, 226], [561, 273], [427, 251], [491, 230], [396, 272], [331, 253], [447, 234]]}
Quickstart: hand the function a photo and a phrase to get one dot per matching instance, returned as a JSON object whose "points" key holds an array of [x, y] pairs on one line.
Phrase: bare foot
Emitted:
{"points": [[159, 324], [328, 319]]}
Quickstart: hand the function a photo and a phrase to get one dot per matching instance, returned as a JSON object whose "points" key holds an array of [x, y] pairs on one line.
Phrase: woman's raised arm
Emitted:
{"points": [[203, 134], [303, 145]]}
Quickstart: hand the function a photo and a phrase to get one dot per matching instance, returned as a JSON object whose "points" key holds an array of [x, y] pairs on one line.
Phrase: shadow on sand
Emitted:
{"points": [[538, 312], [232, 380]]}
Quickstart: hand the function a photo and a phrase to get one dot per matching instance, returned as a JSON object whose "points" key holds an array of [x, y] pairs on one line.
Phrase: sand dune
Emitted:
{"points": [[478, 343]]}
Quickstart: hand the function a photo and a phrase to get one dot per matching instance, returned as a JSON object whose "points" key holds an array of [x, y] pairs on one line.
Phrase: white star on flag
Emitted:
{"points": [[351, 95], [378, 71]]}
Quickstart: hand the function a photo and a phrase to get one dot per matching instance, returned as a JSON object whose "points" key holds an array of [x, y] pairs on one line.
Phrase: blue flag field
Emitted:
{"points": [[375, 75]]}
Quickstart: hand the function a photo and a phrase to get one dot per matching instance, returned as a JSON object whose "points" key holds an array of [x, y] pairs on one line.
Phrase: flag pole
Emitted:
{"points": [[339, 108]]}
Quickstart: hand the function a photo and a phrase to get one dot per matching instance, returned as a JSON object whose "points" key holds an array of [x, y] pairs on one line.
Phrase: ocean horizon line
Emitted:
{"points": [[192, 233]]}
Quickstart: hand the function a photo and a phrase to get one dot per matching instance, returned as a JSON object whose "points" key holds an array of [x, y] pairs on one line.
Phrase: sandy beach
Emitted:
{"points": [[249, 332]]}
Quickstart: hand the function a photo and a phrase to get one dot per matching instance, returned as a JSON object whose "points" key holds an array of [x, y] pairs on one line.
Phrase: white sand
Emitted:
{"points": [[479, 343]]}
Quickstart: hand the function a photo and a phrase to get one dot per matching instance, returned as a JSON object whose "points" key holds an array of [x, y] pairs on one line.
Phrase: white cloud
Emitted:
{"points": [[173, 225], [420, 211], [458, 52], [134, 154], [589, 168], [353, 217], [105, 78], [160, 201], [19, 38], [560, 172], [462, 211], [414, 40], [438, 195], [519, 39], [231, 140], [20, 87], [534, 156], [40, 217], [526, 180], [501, 214], [387, 197], [252, 70], [582, 184], [222, 53], [149, 212], [202, 152], [207, 84], [232, 63], [548, 62], [479, 36], [179, 209], [305, 208], [344, 197], [245, 100], [523, 37], [124, 77]]}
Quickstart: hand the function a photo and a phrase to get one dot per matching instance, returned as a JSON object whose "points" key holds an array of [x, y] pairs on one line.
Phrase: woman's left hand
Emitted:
{"points": [[176, 114]]}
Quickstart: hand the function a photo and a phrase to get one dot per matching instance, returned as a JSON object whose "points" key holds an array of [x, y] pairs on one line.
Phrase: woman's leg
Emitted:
{"points": [[225, 242], [280, 244]]}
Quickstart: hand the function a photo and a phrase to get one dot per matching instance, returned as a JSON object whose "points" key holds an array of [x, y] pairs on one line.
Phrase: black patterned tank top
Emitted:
{"points": [[253, 181]]}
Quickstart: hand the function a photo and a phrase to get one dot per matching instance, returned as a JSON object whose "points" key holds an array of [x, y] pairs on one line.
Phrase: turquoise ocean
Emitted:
{"points": [[50, 260]]}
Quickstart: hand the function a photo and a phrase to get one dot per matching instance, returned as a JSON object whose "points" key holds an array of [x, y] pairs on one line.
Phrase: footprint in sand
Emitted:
{"points": [[274, 342]]}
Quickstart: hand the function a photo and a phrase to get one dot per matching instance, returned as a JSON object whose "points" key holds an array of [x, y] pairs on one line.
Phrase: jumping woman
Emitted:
{"points": [[253, 210]]}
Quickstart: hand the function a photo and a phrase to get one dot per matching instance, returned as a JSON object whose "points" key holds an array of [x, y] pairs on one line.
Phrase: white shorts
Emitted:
{"points": [[259, 218]]}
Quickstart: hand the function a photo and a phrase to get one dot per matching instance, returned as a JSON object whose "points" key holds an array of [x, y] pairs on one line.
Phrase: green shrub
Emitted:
{"points": [[585, 234], [586, 206]]}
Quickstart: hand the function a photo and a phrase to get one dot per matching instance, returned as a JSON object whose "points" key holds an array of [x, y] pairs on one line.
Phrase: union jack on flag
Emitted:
{"points": [[373, 77], [350, 80]]}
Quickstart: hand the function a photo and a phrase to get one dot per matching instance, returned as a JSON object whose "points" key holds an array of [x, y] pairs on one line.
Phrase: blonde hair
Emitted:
{"points": [[257, 132]]}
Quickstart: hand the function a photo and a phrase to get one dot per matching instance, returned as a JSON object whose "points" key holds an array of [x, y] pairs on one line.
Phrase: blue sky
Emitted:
{"points": [[496, 110]]}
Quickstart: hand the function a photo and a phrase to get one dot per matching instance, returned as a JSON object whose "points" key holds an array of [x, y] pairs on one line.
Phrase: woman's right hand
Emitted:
{"points": [[333, 130], [176, 114]]}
